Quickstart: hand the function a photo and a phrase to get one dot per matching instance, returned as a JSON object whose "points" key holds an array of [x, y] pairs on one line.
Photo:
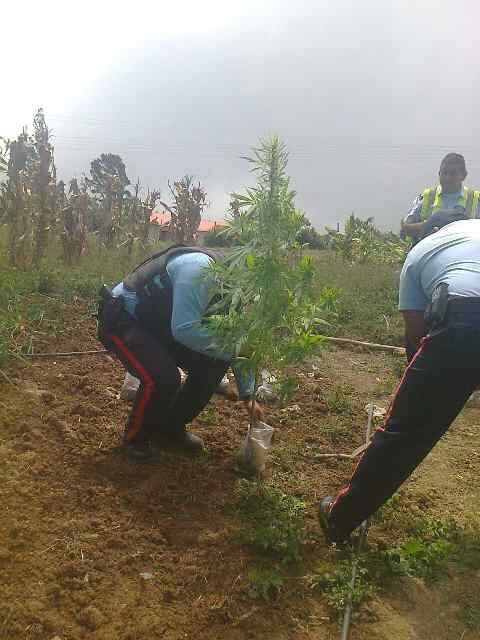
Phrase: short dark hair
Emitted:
{"points": [[454, 158]]}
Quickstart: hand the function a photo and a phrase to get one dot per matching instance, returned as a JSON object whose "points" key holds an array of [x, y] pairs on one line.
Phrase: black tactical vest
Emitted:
{"points": [[154, 308]]}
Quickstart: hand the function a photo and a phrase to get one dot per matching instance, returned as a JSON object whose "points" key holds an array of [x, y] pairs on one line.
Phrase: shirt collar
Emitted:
{"points": [[454, 193]]}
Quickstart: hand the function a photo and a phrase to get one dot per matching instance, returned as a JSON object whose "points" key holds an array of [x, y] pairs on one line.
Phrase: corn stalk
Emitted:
{"points": [[17, 197], [186, 210], [135, 223], [43, 180], [74, 218]]}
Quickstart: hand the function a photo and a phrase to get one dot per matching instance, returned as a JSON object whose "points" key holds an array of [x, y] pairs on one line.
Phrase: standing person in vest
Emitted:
{"points": [[153, 322], [440, 303], [450, 196]]}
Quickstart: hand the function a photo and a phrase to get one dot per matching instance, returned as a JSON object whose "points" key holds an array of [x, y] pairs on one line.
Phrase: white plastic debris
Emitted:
{"points": [[129, 387], [294, 408], [131, 383], [265, 392], [146, 575], [378, 412], [267, 377], [223, 388], [253, 452]]}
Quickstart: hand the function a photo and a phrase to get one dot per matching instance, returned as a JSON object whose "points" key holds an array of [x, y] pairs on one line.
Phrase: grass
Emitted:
{"points": [[363, 297], [428, 547], [336, 585], [337, 428], [285, 457], [27, 296], [208, 416], [339, 400], [264, 584], [366, 306], [426, 559], [273, 519], [469, 612]]}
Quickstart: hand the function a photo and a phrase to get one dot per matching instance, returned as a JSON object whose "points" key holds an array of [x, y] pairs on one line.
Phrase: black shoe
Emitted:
{"points": [[182, 440], [140, 451], [331, 536]]}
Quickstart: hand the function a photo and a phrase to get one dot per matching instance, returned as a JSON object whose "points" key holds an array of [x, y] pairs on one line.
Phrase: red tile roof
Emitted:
{"points": [[163, 217]]}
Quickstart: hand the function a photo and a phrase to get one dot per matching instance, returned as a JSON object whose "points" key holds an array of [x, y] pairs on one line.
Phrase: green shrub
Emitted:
{"points": [[336, 585], [264, 584], [275, 519]]}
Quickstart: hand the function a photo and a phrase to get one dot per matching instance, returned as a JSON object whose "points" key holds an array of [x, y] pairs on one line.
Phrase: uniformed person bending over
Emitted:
{"points": [[154, 323], [440, 300]]}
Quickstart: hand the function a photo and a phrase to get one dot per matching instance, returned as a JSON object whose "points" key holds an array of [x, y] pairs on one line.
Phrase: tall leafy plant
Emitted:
{"points": [[189, 201], [362, 242], [43, 181], [266, 306]]}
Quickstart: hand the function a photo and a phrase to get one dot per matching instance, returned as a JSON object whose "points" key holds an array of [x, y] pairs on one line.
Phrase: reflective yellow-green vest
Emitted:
{"points": [[431, 202]]}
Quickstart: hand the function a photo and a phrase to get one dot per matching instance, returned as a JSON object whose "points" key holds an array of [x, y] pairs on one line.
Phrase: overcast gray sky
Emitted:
{"points": [[367, 95]]}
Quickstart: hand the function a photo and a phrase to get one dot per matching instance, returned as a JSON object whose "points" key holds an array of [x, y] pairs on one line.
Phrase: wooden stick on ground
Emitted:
{"points": [[369, 345]]}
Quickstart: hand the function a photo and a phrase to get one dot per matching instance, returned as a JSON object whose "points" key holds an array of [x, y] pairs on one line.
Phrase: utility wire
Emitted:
{"points": [[64, 354]]}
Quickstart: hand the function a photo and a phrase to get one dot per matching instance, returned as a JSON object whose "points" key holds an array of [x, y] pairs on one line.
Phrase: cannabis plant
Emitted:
{"points": [[266, 307]]}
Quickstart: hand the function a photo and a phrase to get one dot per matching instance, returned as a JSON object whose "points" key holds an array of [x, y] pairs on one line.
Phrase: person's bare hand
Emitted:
{"points": [[258, 413]]}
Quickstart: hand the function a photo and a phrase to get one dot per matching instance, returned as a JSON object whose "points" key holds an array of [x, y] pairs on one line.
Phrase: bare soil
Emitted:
{"points": [[95, 546]]}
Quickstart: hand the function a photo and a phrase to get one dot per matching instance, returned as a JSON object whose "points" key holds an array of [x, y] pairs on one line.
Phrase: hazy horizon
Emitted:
{"points": [[368, 98]]}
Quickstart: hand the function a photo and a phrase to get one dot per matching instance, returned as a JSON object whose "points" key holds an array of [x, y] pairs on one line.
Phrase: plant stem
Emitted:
{"points": [[253, 420]]}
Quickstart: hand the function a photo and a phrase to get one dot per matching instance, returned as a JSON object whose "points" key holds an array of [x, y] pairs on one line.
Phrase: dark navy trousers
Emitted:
{"points": [[162, 404], [435, 386]]}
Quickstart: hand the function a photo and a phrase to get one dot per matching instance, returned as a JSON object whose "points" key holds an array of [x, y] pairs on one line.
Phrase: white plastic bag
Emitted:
{"points": [[223, 388], [129, 387], [252, 456]]}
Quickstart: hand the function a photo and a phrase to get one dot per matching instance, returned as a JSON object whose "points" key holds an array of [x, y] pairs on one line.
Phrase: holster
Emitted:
{"points": [[436, 311], [110, 317]]}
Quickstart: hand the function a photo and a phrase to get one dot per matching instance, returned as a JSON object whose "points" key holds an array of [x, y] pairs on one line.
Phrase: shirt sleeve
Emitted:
{"points": [[192, 292], [411, 295]]}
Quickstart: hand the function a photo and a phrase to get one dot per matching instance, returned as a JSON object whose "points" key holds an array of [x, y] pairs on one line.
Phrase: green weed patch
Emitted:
{"points": [[336, 585], [274, 519], [264, 584]]}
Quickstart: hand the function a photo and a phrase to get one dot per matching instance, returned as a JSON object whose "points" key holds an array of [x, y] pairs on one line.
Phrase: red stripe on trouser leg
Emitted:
{"points": [[148, 385], [407, 369], [343, 492]]}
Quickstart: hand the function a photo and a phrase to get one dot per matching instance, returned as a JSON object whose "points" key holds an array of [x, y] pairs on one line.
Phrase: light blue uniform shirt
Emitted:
{"points": [[192, 292], [451, 255]]}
